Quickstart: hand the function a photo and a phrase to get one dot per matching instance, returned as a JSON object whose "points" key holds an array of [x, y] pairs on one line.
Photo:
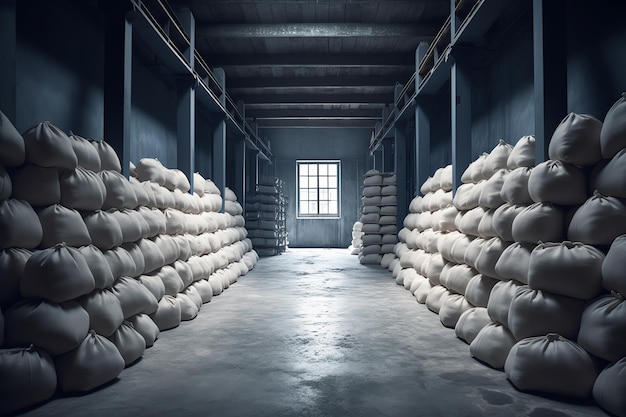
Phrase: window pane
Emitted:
{"points": [[323, 169], [332, 169], [304, 182], [332, 182], [323, 182], [312, 195], [332, 195], [332, 207], [304, 194], [304, 208], [323, 194], [312, 207], [304, 169], [313, 182], [312, 169], [323, 207]]}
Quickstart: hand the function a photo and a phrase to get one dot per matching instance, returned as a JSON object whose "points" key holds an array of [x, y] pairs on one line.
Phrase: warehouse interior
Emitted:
{"points": [[472, 154]]}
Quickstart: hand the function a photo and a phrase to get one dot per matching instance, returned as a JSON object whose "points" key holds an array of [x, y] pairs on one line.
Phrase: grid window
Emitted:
{"points": [[318, 188]]}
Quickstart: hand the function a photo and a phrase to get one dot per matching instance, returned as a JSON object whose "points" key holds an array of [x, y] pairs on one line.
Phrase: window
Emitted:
{"points": [[318, 188]]}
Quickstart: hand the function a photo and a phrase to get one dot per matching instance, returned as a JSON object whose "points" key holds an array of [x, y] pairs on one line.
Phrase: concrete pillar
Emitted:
{"points": [[401, 175], [118, 59], [461, 114], [550, 71], [422, 128], [186, 106], [8, 69]]}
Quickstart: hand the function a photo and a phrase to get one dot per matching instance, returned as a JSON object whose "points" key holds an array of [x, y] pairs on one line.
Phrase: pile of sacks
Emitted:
{"points": [[527, 262], [265, 216], [377, 234], [94, 266]]}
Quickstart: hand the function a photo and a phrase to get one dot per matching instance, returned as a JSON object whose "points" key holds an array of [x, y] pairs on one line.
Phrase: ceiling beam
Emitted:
{"points": [[312, 113], [313, 106], [312, 60], [416, 30], [306, 123], [312, 2], [316, 98], [312, 82]]}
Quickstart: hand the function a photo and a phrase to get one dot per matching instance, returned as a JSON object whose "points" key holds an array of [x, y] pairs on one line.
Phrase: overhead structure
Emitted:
{"points": [[312, 63]]}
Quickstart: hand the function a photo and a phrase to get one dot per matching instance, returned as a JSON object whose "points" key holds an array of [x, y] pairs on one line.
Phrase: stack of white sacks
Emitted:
{"points": [[528, 262], [378, 232], [93, 266], [356, 242]]}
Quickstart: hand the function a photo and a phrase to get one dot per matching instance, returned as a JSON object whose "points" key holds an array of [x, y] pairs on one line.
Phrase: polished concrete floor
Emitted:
{"points": [[311, 333]]}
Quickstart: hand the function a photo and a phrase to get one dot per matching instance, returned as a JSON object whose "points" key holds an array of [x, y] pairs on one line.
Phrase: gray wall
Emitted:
{"points": [[348, 145], [153, 116], [60, 78], [502, 94], [596, 64], [59, 58]]}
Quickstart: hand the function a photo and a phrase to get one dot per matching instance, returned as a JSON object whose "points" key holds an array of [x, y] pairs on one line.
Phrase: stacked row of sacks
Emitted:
{"points": [[265, 216], [598, 222], [92, 266], [547, 246], [378, 230]]}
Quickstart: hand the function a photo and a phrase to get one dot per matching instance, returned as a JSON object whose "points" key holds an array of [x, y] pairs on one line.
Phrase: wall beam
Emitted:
{"points": [[219, 142], [8, 69], [422, 128], [550, 71], [461, 106], [186, 108], [240, 170], [118, 59], [388, 155], [401, 162]]}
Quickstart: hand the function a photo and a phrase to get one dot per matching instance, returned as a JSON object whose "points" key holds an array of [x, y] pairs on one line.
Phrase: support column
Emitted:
{"points": [[422, 128], [401, 175], [388, 159], [454, 21], [461, 114], [186, 108], [219, 142], [550, 71], [118, 59], [240, 170], [378, 158], [219, 159], [252, 163], [8, 69]]}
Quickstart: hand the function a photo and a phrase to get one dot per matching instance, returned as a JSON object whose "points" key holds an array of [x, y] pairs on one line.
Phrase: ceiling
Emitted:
{"points": [[314, 63]]}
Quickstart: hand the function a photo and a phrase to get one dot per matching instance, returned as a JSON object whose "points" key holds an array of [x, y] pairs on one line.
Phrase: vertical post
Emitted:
{"points": [[388, 159], [550, 71], [219, 158], [398, 103], [251, 169], [186, 108], [219, 141], [240, 170], [461, 106], [378, 158], [8, 71], [118, 58], [422, 128], [401, 175], [454, 21]]}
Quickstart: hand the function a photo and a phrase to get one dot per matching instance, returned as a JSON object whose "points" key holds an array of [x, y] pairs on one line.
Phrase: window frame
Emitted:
{"points": [[318, 162]]}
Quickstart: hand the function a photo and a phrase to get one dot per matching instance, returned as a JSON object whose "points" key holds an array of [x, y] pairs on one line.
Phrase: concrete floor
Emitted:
{"points": [[311, 333]]}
